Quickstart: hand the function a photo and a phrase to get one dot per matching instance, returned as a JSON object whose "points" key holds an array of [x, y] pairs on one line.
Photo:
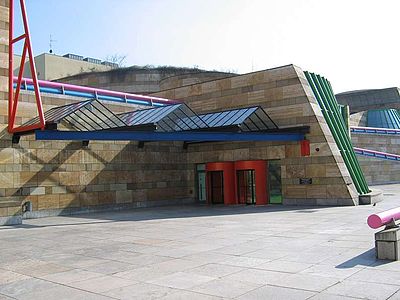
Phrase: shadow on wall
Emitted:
{"points": [[68, 178], [48, 188]]}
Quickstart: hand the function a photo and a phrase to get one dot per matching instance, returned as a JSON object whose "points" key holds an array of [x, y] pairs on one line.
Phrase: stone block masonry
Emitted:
{"points": [[378, 171], [65, 177], [286, 96]]}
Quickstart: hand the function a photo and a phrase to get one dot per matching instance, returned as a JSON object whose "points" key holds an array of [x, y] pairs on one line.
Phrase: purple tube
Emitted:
{"points": [[378, 220], [85, 89]]}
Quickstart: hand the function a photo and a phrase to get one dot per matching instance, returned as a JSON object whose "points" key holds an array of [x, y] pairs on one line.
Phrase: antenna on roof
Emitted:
{"points": [[51, 41]]}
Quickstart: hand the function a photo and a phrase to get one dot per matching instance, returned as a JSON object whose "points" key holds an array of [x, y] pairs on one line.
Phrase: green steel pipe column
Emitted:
{"points": [[348, 139], [348, 146], [324, 94], [334, 127]]}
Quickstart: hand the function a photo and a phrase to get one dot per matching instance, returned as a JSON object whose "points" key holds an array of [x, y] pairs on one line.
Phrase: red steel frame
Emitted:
{"points": [[27, 50], [229, 170]]}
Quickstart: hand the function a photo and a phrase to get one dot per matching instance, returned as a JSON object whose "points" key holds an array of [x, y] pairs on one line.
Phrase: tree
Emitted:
{"points": [[118, 59]]}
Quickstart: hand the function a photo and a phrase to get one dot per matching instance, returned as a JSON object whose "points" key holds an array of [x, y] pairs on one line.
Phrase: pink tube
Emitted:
{"points": [[377, 220], [85, 89]]}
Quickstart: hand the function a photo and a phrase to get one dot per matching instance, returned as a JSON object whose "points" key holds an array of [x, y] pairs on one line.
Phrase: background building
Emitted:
{"points": [[51, 66]]}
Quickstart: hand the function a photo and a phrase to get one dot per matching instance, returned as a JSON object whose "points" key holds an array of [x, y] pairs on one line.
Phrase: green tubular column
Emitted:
{"points": [[324, 94], [349, 143], [327, 115], [343, 133], [338, 132]]}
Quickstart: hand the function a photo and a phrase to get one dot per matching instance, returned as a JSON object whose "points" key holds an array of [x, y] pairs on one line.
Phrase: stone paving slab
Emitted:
{"points": [[198, 252]]}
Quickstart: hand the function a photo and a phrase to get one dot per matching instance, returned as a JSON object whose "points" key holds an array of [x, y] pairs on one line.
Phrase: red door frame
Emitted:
{"points": [[230, 179], [228, 169], [260, 169]]}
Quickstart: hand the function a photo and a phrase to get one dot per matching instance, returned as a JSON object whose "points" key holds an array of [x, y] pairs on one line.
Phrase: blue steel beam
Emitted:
{"points": [[50, 135]]}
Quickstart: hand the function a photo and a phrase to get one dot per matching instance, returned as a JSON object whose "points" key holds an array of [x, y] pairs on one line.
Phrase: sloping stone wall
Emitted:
{"points": [[286, 96]]}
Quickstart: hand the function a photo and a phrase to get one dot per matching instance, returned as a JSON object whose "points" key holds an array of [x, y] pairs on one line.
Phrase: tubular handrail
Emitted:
{"points": [[384, 218], [377, 154], [63, 88], [359, 129]]}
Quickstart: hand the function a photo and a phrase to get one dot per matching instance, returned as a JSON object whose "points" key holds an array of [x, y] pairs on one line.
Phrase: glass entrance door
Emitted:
{"points": [[201, 182], [201, 186], [275, 182], [217, 187], [246, 187]]}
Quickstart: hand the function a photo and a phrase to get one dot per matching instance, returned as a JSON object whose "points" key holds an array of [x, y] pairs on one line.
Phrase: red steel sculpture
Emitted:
{"points": [[13, 97]]}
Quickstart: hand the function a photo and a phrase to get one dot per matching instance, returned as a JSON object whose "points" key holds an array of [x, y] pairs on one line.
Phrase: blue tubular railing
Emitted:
{"points": [[94, 93], [377, 154], [369, 130]]}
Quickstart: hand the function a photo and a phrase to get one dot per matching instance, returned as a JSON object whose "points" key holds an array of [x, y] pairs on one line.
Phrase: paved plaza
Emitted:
{"points": [[200, 252]]}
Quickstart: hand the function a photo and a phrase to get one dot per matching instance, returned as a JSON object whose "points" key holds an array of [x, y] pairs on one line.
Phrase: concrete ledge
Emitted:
{"points": [[9, 221], [103, 208], [373, 197], [319, 202]]}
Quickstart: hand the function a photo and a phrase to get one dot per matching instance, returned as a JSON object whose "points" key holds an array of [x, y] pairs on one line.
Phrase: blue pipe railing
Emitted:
{"points": [[373, 130], [376, 154], [90, 95]]}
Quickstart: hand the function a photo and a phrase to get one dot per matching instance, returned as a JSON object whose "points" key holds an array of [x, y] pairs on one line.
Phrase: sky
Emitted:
{"points": [[353, 43]]}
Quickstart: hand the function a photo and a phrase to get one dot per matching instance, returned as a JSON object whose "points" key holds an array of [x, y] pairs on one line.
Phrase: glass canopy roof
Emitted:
{"points": [[178, 117], [247, 119], [92, 115], [82, 116]]}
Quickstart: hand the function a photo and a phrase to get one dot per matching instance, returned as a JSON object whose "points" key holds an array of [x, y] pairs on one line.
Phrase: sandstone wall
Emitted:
{"points": [[378, 171], [359, 119], [143, 80], [286, 96], [378, 142], [64, 177]]}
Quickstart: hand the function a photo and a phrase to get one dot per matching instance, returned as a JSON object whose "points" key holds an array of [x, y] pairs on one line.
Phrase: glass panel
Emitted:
{"points": [[201, 167], [217, 119], [217, 187], [250, 125], [227, 119], [201, 182], [161, 112], [275, 182], [246, 187], [248, 112]]}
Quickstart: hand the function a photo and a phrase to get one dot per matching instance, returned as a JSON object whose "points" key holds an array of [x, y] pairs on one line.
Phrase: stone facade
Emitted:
{"points": [[65, 177], [359, 119], [378, 142], [142, 80], [286, 96], [370, 99], [378, 171]]}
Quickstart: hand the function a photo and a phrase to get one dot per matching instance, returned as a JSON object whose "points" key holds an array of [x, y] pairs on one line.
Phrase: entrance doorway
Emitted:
{"points": [[217, 187], [201, 183], [246, 184], [275, 182]]}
